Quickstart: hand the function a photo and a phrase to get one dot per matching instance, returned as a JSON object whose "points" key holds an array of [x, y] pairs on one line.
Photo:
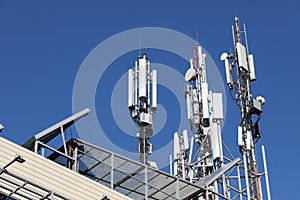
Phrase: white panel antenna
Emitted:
{"points": [[188, 102], [154, 89], [217, 103], [251, 67], [224, 57], [131, 88], [214, 137], [185, 140], [242, 56], [176, 146], [205, 107], [142, 77]]}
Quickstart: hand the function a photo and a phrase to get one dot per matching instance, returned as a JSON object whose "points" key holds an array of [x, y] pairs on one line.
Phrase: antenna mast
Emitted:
{"points": [[141, 108], [205, 115], [240, 73]]}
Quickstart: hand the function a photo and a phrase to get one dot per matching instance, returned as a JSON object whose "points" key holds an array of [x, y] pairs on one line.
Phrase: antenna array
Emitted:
{"points": [[141, 83], [204, 159], [240, 72], [222, 175]]}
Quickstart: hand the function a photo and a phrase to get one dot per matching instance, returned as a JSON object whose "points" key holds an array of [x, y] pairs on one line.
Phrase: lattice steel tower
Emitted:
{"points": [[240, 73]]}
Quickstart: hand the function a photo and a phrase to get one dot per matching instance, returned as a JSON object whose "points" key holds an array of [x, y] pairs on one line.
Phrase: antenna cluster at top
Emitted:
{"points": [[142, 103]]}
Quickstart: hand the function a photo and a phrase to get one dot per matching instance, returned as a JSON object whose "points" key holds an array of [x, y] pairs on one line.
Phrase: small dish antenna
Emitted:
{"points": [[190, 75]]}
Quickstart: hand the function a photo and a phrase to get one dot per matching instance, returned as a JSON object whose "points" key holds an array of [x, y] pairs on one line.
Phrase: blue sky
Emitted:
{"points": [[43, 44]]}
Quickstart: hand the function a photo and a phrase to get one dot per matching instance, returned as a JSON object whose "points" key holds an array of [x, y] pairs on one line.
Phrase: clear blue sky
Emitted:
{"points": [[43, 44]]}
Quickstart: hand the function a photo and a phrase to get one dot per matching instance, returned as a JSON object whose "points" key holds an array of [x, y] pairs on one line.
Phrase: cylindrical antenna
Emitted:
{"points": [[224, 57]]}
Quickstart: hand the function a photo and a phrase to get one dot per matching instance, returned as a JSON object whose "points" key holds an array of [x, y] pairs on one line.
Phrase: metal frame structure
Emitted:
{"points": [[16, 187], [40, 140], [205, 163], [129, 177], [223, 176], [240, 72]]}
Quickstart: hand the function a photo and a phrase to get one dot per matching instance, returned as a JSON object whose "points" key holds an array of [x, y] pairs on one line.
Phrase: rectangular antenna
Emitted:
{"points": [[176, 146], [130, 88], [217, 103], [204, 92], [188, 102], [185, 140], [214, 137], [200, 56], [242, 56], [142, 77], [251, 67], [154, 89]]}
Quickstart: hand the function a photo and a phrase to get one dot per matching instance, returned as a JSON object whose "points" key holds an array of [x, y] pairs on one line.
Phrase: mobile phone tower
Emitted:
{"points": [[240, 73], [205, 116], [141, 83]]}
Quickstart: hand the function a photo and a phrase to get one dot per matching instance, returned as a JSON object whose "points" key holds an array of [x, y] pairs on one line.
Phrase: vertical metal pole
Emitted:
{"points": [[146, 183], [176, 168], [75, 159], [183, 168], [112, 171], [177, 189], [63, 139], [36, 146], [216, 197], [171, 166], [228, 190], [207, 197], [246, 175], [144, 150], [43, 151], [266, 172], [221, 158], [191, 150], [260, 189], [239, 182]]}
